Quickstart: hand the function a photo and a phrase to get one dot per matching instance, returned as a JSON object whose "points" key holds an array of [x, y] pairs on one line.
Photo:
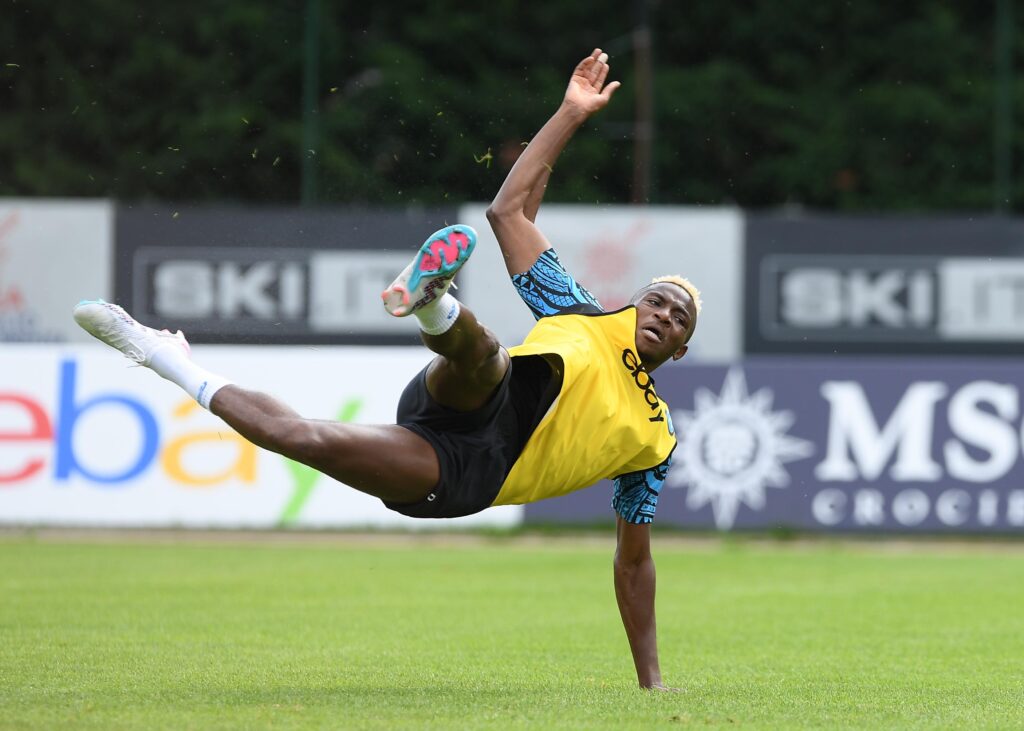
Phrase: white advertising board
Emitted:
{"points": [[614, 251], [88, 439], [51, 251]]}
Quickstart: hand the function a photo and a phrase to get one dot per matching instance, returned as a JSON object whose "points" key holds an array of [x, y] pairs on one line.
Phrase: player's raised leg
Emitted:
{"points": [[386, 461], [471, 361]]}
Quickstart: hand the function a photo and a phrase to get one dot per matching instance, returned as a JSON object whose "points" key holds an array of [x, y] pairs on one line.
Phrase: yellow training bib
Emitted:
{"points": [[607, 419]]}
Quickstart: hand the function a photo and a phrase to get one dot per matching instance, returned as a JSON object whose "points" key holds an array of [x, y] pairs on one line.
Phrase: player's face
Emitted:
{"points": [[665, 318]]}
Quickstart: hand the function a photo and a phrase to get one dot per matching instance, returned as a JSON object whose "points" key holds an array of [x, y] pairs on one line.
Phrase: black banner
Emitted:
{"points": [[884, 285]]}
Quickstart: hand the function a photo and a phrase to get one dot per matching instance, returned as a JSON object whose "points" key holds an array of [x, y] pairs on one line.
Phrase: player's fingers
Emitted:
{"points": [[583, 67], [594, 69], [607, 91], [602, 70]]}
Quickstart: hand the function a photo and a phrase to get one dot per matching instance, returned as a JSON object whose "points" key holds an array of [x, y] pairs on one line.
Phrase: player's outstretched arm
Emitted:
{"points": [[514, 208], [634, 591]]}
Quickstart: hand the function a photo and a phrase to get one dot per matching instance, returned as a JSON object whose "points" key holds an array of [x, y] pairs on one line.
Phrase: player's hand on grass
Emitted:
{"points": [[663, 688], [587, 90]]}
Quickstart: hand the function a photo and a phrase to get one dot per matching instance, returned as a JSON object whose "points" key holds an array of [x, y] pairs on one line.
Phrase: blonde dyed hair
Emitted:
{"points": [[686, 284]]}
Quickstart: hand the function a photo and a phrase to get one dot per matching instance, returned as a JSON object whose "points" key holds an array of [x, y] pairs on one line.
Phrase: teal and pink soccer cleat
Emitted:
{"points": [[427, 278], [119, 330]]}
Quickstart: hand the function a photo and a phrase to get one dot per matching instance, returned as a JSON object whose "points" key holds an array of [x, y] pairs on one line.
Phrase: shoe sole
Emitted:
{"points": [[83, 315], [439, 258]]}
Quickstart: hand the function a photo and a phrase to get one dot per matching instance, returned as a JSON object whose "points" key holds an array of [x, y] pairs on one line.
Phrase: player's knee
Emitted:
{"points": [[498, 211], [321, 445], [487, 347], [486, 350], [474, 353], [490, 369]]}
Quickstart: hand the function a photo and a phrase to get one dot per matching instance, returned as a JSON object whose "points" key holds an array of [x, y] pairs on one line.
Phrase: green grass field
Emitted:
{"points": [[504, 635]]}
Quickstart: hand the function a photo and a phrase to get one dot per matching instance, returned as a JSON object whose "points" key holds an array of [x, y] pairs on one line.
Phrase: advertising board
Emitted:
{"points": [[88, 439], [884, 285], [53, 253], [871, 444]]}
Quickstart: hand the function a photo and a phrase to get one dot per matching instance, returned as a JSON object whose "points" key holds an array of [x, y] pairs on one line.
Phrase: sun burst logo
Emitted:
{"points": [[733, 446]]}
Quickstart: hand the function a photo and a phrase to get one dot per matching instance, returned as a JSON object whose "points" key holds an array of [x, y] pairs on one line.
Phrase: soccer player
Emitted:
{"points": [[482, 425]]}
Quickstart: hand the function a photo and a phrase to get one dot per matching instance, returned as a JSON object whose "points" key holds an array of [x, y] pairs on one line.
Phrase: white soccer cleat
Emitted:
{"points": [[119, 330], [429, 275]]}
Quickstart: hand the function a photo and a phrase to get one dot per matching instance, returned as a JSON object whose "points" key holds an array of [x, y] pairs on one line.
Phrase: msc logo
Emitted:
{"points": [[645, 383], [732, 447]]}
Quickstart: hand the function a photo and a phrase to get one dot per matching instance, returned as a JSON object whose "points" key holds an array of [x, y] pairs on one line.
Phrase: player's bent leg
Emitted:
{"points": [[386, 461], [471, 362]]}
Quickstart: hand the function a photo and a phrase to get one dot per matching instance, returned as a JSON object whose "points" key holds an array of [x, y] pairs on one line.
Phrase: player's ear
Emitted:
{"points": [[680, 353]]}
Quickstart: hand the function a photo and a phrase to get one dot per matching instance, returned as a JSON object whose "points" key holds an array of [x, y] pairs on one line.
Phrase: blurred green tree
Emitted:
{"points": [[846, 106]]}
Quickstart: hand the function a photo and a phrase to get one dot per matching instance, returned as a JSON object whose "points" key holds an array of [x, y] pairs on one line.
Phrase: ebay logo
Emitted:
{"points": [[33, 425]]}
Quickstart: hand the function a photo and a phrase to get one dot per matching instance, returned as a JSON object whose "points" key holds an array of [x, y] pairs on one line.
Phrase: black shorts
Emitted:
{"points": [[475, 449]]}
